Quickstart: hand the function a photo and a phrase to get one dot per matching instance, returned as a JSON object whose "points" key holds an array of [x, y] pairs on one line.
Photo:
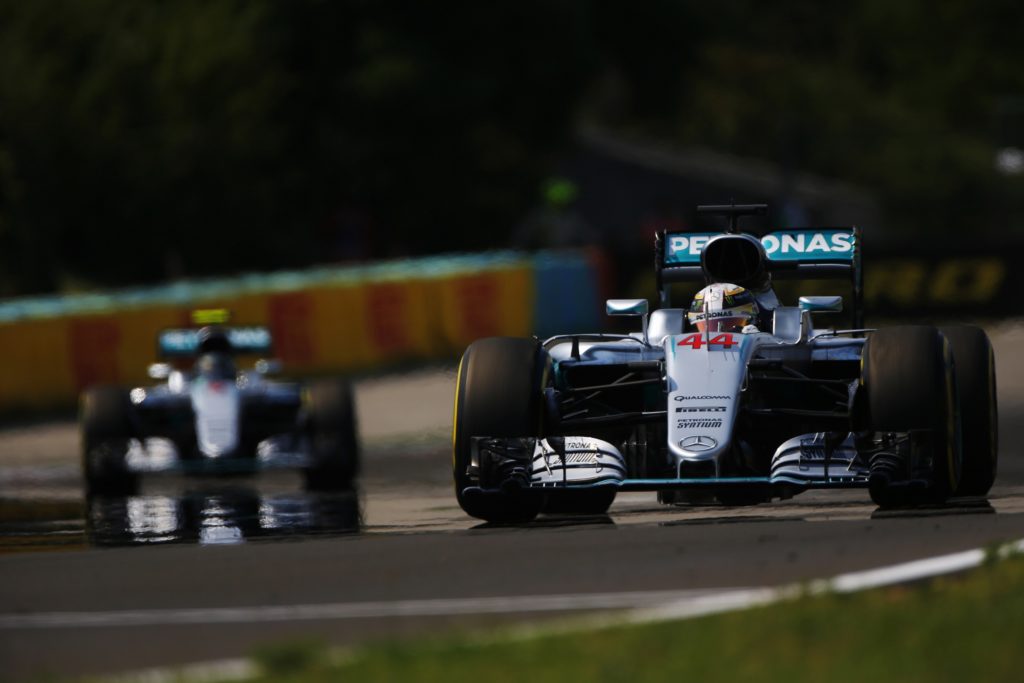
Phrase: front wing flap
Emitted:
{"points": [[530, 466]]}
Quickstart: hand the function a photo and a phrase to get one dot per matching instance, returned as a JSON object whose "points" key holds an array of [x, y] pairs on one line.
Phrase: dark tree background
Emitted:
{"points": [[147, 140]]}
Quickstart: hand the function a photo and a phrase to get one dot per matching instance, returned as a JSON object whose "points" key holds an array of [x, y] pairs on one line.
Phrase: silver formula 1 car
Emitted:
{"points": [[212, 418], [737, 417]]}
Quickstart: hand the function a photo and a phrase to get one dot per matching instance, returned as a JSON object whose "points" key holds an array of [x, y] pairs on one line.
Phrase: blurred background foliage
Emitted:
{"points": [[141, 141]]}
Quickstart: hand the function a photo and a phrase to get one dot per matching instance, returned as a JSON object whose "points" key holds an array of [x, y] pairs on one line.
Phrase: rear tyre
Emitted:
{"points": [[497, 394], [976, 385], [334, 446], [908, 375], [106, 429]]}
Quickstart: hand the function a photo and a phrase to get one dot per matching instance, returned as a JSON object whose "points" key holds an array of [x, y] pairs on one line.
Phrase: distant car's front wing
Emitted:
{"points": [[157, 454]]}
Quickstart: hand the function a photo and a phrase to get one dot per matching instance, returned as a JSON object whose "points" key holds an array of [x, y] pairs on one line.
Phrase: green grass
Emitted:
{"points": [[953, 629]]}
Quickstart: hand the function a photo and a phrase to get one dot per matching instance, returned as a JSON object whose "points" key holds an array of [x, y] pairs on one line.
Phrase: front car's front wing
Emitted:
{"points": [[546, 466]]}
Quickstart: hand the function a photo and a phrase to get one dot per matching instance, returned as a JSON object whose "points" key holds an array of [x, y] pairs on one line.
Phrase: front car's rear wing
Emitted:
{"points": [[796, 254]]}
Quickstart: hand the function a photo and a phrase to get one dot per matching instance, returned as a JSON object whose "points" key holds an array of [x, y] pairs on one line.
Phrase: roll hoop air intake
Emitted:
{"points": [[736, 259]]}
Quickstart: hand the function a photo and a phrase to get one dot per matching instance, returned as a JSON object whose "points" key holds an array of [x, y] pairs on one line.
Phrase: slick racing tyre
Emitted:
{"points": [[976, 385], [497, 394], [106, 429], [334, 446], [910, 383]]}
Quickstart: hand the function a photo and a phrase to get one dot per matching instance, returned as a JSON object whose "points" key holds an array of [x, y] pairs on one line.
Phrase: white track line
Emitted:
{"points": [[905, 572], [646, 606], [348, 610]]}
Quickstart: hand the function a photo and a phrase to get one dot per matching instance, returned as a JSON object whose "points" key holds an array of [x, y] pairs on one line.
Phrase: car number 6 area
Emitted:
{"points": [[697, 340]]}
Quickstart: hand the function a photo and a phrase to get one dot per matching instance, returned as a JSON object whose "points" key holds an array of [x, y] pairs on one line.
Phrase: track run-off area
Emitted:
{"points": [[198, 570]]}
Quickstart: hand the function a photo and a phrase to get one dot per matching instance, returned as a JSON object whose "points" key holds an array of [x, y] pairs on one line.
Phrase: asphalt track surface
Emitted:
{"points": [[98, 590]]}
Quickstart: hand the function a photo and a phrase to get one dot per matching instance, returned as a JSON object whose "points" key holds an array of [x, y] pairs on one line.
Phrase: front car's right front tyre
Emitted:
{"points": [[498, 393]]}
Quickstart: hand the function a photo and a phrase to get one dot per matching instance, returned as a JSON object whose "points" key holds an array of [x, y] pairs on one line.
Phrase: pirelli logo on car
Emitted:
{"points": [[700, 409], [831, 244]]}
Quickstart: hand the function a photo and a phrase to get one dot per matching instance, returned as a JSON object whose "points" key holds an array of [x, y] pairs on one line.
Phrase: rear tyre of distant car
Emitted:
{"points": [[976, 385], [333, 436], [106, 431], [910, 383], [497, 394]]}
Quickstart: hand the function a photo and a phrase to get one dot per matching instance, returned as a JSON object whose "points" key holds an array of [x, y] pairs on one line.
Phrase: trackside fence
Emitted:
{"points": [[358, 318], [323, 320]]}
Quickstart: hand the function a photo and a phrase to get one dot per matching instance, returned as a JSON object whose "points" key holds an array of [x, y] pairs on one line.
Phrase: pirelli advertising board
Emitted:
{"points": [[912, 281]]}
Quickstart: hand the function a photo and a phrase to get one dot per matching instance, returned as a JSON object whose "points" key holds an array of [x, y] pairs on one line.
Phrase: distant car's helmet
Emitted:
{"points": [[723, 307], [214, 339]]}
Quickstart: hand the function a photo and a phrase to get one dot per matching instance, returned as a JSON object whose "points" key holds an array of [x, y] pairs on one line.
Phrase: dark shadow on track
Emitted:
{"points": [[552, 522], [730, 520], [954, 506]]}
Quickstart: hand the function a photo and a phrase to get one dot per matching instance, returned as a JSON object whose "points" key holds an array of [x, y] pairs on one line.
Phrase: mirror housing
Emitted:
{"points": [[268, 366], [626, 307], [634, 307], [821, 304], [159, 370]]}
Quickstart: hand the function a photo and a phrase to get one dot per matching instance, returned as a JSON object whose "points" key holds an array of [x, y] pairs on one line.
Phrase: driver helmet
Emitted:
{"points": [[723, 307]]}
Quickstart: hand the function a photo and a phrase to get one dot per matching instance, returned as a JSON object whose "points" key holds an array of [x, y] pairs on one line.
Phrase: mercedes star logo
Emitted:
{"points": [[698, 444]]}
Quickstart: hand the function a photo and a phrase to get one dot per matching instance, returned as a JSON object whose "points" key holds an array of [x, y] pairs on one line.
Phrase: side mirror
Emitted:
{"points": [[267, 367], [626, 307], [159, 370], [629, 307], [821, 304]]}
